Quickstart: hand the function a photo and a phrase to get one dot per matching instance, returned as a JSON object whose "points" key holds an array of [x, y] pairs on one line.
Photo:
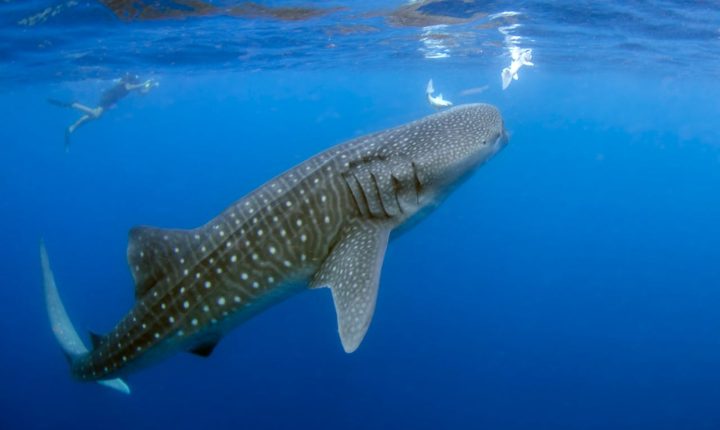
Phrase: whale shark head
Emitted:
{"points": [[457, 141]]}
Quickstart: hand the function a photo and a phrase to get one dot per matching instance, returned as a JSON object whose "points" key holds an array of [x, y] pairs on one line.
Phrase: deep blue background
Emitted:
{"points": [[572, 283]]}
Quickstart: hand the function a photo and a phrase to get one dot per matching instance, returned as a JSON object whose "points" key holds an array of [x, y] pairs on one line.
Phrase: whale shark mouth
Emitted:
{"points": [[501, 141]]}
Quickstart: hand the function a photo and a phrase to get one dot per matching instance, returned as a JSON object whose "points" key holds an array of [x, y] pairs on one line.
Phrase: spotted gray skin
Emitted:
{"points": [[324, 223]]}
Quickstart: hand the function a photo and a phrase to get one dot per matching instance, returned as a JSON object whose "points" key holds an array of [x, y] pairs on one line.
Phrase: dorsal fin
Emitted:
{"points": [[206, 348], [154, 253], [95, 339]]}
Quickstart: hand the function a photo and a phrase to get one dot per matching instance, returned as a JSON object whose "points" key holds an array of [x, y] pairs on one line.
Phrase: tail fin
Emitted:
{"points": [[429, 89], [64, 331]]}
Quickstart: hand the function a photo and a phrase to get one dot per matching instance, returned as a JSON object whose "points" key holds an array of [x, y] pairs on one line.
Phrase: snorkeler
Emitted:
{"points": [[438, 101], [123, 86], [520, 57]]}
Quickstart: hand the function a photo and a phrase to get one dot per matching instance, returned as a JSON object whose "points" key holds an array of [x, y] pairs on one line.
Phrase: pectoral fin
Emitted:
{"points": [[352, 272]]}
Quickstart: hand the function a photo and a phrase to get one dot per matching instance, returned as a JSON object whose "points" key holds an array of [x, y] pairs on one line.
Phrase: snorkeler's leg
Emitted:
{"points": [[94, 112], [70, 130], [93, 115], [83, 119]]}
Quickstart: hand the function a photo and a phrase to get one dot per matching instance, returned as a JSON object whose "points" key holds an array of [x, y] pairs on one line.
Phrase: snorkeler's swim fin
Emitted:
{"points": [[60, 103], [67, 140], [507, 76], [63, 329]]}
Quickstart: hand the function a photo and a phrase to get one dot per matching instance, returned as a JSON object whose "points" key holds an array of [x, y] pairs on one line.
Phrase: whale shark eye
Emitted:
{"points": [[484, 142]]}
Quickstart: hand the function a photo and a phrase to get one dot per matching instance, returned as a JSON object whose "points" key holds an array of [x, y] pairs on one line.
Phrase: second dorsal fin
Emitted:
{"points": [[154, 253], [205, 348], [95, 340]]}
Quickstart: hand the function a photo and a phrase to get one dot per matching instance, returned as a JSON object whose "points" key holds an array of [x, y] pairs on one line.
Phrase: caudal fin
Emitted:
{"points": [[63, 329]]}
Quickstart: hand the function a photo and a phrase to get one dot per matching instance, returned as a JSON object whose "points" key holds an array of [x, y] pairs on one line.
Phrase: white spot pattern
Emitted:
{"points": [[443, 138]]}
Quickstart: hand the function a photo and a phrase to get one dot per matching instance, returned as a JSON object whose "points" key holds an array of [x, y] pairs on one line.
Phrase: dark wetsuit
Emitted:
{"points": [[111, 96]]}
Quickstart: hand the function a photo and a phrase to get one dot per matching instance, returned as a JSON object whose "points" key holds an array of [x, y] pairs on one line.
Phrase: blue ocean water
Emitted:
{"points": [[571, 283]]}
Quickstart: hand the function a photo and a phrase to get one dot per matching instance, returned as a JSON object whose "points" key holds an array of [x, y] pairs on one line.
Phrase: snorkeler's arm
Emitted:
{"points": [[132, 87], [142, 86]]}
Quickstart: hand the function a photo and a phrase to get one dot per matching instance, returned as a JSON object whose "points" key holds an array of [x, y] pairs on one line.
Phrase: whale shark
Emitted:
{"points": [[323, 224]]}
